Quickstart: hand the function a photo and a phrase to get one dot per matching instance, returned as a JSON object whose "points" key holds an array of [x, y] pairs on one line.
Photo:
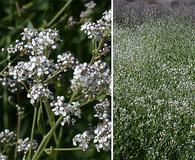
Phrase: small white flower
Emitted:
{"points": [[24, 145], [35, 42], [102, 110], [67, 110], [39, 91], [90, 5], [102, 138], [7, 137], [98, 29], [37, 66], [3, 157], [91, 78], [66, 61], [82, 140]]}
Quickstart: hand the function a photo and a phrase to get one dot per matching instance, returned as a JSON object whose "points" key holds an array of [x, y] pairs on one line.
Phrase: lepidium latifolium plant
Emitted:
{"points": [[154, 101], [34, 73]]}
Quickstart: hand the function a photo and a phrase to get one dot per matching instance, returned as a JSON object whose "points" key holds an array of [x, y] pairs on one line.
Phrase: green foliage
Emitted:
{"points": [[154, 91]]}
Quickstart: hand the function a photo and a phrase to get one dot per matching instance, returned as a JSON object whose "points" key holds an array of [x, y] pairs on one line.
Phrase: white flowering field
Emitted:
{"points": [[55, 80], [154, 90]]}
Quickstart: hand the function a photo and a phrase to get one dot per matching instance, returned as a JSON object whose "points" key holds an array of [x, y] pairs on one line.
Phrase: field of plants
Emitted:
{"points": [[154, 82], [55, 80]]}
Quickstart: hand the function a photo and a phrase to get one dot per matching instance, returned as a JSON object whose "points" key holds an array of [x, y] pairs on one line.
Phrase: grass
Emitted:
{"points": [[154, 95]]}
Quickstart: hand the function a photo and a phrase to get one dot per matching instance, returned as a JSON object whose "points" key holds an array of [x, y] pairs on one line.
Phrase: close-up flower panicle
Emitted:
{"points": [[35, 42], [66, 110], [50, 88]]}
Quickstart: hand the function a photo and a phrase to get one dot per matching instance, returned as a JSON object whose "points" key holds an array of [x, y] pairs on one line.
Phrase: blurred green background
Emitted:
{"points": [[14, 17]]}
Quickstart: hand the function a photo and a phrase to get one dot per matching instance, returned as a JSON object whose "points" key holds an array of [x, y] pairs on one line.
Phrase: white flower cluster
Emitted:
{"points": [[82, 140], [94, 79], [19, 46], [39, 91], [99, 29], [102, 138], [12, 83], [93, 30], [24, 145], [65, 61], [102, 110], [91, 78], [88, 11], [90, 5], [7, 137], [101, 135], [37, 67], [67, 110], [35, 42], [3, 157], [106, 19]]}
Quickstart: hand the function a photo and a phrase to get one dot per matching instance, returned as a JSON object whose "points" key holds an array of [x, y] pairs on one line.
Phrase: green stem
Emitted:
{"points": [[5, 107], [25, 86], [18, 9], [18, 133], [58, 142], [3, 61], [74, 95], [48, 136], [97, 48], [62, 149], [55, 25], [50, 118], [59, 13], [61, 129], [32, 132], [46, 140]]}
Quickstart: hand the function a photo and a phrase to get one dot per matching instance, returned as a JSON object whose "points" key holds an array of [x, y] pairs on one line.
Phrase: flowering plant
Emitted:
{"points": [[154, 102], [60, 88]]}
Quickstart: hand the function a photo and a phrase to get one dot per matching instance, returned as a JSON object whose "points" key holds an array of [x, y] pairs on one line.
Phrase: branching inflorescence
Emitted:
{"points": [[33, 71]]}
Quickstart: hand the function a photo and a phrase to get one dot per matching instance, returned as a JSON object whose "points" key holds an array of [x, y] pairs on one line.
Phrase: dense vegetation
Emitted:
{"points": [[154, 84], [135, 12]]}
